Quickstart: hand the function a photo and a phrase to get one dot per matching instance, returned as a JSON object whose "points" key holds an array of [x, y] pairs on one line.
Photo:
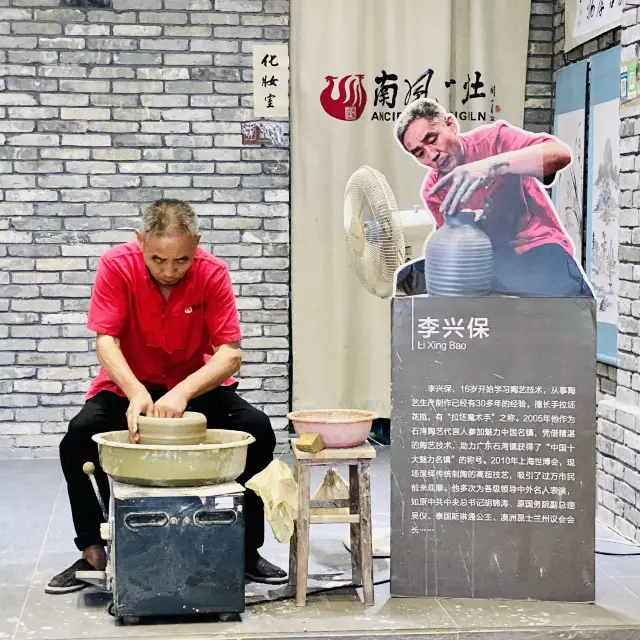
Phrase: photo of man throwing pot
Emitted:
{"points": [[503, 171]]}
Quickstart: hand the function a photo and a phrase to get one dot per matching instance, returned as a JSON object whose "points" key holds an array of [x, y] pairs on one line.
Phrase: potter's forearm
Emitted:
{"points": [[223, 364], [116, 366], [539, 161]]}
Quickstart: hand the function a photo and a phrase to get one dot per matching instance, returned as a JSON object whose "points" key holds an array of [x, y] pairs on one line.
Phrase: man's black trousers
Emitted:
{"points": [[106, 411]]}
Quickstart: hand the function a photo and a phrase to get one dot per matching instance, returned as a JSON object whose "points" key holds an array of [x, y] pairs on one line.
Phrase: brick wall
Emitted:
{"points": [[102, 112], [607, 374], [618, 442], [538, 113], [619, 416], [546, 56], [561, 59]]}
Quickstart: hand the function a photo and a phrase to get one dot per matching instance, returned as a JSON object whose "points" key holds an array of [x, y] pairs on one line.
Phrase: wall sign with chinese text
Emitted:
{"points": [[271, 80], [493, 448], [387, 93], [587, 19]]}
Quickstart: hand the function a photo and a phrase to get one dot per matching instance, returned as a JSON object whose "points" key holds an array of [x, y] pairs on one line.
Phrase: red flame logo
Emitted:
{"points": [[351, 100]]}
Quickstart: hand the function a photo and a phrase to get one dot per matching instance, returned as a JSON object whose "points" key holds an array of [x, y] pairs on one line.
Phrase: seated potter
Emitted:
{"points": [[168, 339]]}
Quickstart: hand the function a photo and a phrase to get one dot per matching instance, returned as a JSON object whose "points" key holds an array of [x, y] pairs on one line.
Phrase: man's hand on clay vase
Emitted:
{"points": [[139, 403], [171, 405]]}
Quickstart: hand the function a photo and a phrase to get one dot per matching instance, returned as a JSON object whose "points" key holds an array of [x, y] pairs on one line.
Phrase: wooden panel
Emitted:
{"points": [[334, 518]]}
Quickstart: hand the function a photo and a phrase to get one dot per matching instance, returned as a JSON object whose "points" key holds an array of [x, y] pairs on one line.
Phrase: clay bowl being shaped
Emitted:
{"points": [[191, 428], [339, 428], [219, 459]]}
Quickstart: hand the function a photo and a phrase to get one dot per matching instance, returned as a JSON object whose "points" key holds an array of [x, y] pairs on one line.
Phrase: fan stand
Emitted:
{"points": [[381, 542]]}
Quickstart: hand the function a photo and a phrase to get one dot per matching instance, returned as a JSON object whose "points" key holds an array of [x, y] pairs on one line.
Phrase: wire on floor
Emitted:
{"points": [[619, 555]]}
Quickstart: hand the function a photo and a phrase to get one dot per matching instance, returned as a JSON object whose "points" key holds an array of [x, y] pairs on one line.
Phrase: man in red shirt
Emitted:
{"points": [[500, 170], [168, 339]]}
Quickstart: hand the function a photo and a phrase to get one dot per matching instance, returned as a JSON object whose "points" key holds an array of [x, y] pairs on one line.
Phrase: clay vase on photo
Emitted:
{"points": [[190, 429], [459, 258]]}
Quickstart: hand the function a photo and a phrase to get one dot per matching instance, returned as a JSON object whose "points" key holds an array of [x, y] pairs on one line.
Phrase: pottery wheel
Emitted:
{"points": [[191, 428]]}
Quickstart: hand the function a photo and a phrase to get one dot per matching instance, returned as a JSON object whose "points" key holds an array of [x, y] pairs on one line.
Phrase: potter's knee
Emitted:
{"points": [[261, 430], [78, 432]]}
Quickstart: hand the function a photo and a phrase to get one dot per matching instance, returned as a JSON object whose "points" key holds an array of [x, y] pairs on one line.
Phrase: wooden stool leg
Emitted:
{"points": [[354, 529], [366, 542], [302, 555], [293, 543]]}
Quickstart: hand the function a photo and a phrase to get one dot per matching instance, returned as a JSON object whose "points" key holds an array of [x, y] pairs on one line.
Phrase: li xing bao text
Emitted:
{"points": [[433, 333], [441, 347]]}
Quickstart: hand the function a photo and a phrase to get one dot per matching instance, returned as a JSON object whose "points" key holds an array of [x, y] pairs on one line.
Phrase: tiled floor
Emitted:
{"points": [[36, 542]]}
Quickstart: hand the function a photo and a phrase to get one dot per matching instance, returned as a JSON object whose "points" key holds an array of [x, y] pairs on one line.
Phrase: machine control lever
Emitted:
{"points": [[89, 468]]}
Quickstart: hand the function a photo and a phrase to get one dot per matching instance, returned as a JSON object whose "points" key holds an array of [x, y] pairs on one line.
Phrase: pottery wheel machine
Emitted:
{"points": [[174, 530]]}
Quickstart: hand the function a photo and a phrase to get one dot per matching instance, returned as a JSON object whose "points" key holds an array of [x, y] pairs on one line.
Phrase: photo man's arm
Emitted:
{"points": [[518, 153]]}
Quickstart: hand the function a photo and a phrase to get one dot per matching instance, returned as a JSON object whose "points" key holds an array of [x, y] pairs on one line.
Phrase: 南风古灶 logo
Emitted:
{"points": [[351, 100]]}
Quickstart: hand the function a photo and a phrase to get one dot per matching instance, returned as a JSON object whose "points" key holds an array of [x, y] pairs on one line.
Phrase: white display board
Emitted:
{"points": [[587, 19]]}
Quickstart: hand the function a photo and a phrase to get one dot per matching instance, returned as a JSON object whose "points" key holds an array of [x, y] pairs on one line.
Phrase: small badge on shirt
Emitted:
{"points": [[188, 310]]}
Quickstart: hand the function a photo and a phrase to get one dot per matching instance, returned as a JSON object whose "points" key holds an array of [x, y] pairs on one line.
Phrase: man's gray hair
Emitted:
{"points": [[426, 108], [170, 217]]}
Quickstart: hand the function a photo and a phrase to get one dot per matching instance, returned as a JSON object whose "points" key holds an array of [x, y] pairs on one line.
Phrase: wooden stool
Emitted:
{"points": [[359, 461]]}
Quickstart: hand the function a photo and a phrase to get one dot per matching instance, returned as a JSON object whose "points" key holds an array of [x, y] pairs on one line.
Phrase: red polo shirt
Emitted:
{"points": [[163, 341], [521, 215]]}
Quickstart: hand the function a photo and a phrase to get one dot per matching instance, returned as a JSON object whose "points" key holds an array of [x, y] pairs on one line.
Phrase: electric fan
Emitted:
{"points": [[379, 237]]}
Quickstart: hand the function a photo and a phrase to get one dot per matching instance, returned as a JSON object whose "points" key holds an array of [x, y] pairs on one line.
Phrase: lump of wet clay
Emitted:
{"points": [[190, 429]]}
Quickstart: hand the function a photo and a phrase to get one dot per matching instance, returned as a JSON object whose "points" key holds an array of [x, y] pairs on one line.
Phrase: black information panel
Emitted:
{"points": [[493, 448]]}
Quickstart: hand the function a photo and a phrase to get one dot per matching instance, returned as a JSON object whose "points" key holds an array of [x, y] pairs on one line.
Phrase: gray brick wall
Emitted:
{"points": [[607, 375], [102, 112], [538, 114], [561, 59], [628, 390], [619, 414], [546, 56], [618, 444]]}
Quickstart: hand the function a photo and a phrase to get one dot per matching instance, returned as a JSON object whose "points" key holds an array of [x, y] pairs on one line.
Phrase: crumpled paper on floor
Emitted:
{"points": [[279, 491]]}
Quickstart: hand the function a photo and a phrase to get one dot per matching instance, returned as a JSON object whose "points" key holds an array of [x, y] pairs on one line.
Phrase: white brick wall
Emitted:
{"points": [[102, 112], [619, 416]]}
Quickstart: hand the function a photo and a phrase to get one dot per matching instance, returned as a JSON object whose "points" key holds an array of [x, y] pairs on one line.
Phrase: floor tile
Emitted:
{"points": [[613, 596], [344, 612], [32, 491], [23, 530], [620, 566], [16, 574], [631, 583], [84, 615], [470, 614], [12, 600]]}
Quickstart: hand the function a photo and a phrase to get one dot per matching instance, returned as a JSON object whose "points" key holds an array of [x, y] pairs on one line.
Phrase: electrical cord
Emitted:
{"points": [[618, 555]]}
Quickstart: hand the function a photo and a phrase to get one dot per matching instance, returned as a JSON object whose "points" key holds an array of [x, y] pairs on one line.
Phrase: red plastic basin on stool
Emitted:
{"points": [[339, 428]]}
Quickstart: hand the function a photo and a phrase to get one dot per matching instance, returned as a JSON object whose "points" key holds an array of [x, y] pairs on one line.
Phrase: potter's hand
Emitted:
{"points": [[171, 405], [139, 403], [464, 181]]}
